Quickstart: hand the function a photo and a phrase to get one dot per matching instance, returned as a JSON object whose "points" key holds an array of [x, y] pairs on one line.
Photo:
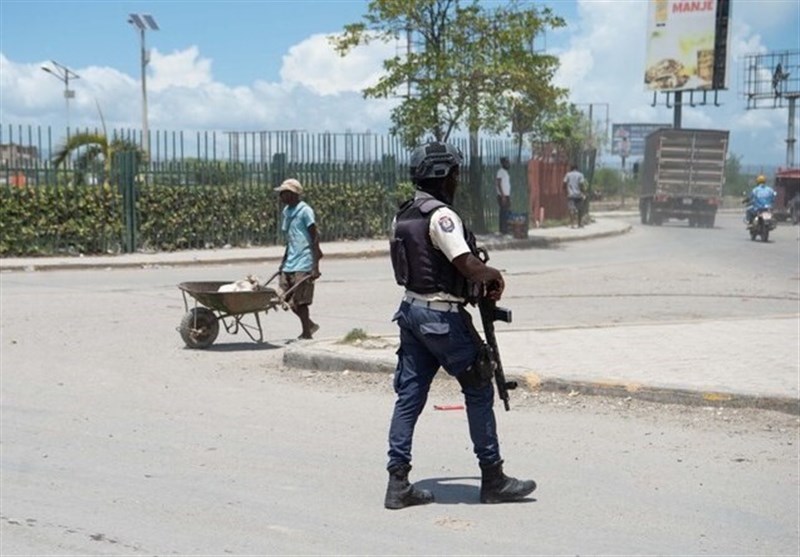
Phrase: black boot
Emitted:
{"points": [[496, 487], [400, 493]]}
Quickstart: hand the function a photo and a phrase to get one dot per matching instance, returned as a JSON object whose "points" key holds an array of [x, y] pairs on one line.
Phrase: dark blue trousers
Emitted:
{"points": [[430, 339]]}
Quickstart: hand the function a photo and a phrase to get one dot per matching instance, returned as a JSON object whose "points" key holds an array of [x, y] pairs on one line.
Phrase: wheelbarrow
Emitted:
{"points": [[236, 311]]}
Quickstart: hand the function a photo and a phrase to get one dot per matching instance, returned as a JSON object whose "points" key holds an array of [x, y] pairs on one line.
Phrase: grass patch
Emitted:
{"points": [[554, 223], [355, 335]]}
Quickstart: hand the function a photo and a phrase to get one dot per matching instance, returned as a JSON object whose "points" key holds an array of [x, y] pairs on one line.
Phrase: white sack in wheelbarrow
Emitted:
{"points": [[249, 284]]}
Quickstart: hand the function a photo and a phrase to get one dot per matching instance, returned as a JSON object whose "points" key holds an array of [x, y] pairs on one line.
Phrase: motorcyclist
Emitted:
{"points": [[761, 197]]}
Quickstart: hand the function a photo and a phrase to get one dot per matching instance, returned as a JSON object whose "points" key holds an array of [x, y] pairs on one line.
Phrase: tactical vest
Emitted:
{"points": [[417, 264]]}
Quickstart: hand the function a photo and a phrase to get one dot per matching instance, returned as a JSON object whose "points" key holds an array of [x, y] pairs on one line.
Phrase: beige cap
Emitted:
{"points": [[290, 185]]}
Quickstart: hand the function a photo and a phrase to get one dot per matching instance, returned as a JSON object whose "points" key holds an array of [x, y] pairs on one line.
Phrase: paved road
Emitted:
{"points": [[116, 440]]}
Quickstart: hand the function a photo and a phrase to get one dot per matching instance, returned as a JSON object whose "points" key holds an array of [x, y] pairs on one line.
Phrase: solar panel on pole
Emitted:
{"points": [[151, 22]]}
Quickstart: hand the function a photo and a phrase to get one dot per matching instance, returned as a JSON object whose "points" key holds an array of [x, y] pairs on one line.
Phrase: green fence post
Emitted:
{"points": [[279, 163], [388, 172], [476, 195], [127, 177]]}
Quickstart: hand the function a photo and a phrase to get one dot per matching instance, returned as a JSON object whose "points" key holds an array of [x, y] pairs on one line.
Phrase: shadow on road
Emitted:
{"points": [[240, 347], [453, 491]]}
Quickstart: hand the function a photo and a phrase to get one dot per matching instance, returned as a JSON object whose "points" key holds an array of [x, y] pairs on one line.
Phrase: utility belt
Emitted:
{"points": [[434, 305]]}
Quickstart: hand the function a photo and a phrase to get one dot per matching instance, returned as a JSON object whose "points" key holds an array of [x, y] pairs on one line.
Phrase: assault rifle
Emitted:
{"points": [[489, 314]]}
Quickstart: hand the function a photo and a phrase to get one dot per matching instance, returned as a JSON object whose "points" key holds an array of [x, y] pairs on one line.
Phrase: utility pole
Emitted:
{"points": [[63, 74], [142, 23]]}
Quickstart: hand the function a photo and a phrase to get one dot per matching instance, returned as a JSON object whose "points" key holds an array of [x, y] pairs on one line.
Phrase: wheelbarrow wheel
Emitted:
{"points": [[199, 328]]}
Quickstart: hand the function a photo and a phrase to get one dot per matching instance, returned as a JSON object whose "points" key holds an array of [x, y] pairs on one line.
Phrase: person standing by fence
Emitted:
{"points": [[574, 187], [503, 187]]}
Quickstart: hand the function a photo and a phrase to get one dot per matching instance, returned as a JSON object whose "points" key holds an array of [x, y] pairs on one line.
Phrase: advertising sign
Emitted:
{"points": [[681, 44], [628, 139]]}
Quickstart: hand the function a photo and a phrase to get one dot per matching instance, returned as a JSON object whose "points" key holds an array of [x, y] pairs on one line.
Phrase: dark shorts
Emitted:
{"points": [[574, 204], [303, 295]]}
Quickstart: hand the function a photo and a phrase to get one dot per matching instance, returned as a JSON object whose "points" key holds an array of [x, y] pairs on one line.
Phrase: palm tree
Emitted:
{"points": [[94, 147], [97, 148]]}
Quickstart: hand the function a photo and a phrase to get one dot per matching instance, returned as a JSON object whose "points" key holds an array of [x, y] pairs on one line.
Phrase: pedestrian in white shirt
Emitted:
{"points": [[503, 187]]}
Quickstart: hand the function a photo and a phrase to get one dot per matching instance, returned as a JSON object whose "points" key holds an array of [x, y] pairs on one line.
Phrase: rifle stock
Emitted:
{"points": [[489, 314]]}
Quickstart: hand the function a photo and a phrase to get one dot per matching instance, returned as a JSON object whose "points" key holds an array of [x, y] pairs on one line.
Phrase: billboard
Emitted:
{"points": [[628, 139], [686, 44]]}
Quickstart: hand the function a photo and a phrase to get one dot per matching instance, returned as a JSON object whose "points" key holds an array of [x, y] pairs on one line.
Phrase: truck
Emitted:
{"points": [[682, 176]]}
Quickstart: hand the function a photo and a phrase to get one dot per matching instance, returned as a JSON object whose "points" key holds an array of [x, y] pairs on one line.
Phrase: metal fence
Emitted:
{"points": [[234, 163]]}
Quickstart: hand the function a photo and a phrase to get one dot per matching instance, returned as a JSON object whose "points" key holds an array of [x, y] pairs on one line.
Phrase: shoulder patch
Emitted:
{"points": [[446, 223]]}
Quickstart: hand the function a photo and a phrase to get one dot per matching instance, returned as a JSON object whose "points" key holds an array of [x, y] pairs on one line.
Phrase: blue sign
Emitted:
{"points": [[627, 140]]}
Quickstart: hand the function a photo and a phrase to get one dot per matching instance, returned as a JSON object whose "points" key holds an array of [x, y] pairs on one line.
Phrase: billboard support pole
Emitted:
{"points": [[624, 183], [790, 133], [676, 114]]}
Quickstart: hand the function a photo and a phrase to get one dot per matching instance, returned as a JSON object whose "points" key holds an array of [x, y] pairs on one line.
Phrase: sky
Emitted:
{"points": [[263, 65]]}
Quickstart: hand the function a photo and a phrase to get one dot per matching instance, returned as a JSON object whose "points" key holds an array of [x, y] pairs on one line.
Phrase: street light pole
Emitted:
{"points": [[63, 74], [142, 23]]}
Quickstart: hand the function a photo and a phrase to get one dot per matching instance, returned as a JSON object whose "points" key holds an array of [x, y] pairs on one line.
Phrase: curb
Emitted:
{"points": [[114, 262], [319, 359], [78, 265]]}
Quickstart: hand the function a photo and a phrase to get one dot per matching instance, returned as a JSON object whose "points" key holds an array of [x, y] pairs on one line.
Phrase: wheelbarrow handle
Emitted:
{"points": [[282, 296], [270, 279], [295, 285]]}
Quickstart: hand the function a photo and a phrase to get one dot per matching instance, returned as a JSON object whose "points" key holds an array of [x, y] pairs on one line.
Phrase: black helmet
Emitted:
{"points": [[434, 160]]}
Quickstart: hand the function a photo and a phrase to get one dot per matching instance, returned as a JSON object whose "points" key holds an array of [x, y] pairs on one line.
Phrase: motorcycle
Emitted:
{"points": [[762, 224]]}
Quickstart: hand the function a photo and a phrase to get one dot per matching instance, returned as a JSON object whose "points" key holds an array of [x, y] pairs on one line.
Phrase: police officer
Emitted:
{"points": [[435, 258]]}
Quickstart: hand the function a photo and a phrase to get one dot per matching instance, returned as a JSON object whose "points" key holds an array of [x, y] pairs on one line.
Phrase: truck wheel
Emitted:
{"points": [[199, 328]]}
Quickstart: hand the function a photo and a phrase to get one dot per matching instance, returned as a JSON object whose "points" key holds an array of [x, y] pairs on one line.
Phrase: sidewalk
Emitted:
{"points": [[537, 237], [713, 367]]}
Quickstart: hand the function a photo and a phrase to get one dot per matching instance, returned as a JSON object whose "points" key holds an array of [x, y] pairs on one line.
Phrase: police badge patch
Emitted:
{"points": [[446, 224]]}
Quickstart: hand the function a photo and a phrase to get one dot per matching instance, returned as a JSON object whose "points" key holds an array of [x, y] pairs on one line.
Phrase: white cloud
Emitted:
{"points": [[314, 64], [179, 69], [319, 91]]}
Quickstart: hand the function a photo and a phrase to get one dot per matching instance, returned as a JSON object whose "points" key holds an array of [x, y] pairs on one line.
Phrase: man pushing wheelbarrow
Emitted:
{"points": [[229, 303], [300, 265]]}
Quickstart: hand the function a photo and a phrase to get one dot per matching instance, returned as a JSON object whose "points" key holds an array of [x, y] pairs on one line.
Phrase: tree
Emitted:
{"points": [[93, 148], [608, 181], [564, 129], [469, 66], [736, 182]]}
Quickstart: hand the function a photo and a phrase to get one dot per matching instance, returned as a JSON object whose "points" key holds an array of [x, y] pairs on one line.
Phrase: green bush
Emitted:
{"points": [[84, 219], [63, 219], [88, 219], [181, 217], [608, 181]]}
